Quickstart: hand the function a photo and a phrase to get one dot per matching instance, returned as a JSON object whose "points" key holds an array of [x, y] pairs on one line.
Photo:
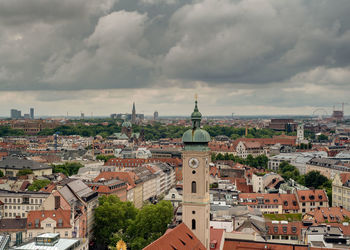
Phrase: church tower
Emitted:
{"points": [[196, 157], [133, 114]]}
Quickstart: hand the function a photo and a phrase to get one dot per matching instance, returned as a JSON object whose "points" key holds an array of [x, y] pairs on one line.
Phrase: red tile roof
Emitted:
{"points": [[181, 237], [128, 177], [231, 244], [282, 229], [289, 202], [216, 236], [331, 214], [53, 214], [344, 177], [316, 195]]}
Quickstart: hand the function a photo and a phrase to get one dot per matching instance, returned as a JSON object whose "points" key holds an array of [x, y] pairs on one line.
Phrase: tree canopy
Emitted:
{"points": [[24, 172], [115, 220], [104, 158], [68, 168], [38, 184], [257, 162]]}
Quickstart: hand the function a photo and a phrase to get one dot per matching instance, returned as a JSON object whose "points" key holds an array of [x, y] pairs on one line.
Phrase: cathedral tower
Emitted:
{"points": [[133, 114], [196, 157]]}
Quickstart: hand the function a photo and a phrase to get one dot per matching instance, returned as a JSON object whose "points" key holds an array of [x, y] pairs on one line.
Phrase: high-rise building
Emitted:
{"points": [[16, 114], [300, 133], [32, 113], [133, 114], [196, 201], [155, 115]]}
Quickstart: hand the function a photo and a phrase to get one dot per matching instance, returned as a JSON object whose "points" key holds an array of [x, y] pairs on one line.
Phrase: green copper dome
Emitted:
{"points": [[126, 124], [196, 134]]}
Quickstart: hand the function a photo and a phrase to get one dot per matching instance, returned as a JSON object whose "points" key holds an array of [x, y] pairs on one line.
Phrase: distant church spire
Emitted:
{"points": [[133, 116]]}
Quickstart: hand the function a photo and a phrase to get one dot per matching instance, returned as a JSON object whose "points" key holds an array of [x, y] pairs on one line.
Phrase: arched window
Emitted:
{"points": [[194, 187], [193, 224]]}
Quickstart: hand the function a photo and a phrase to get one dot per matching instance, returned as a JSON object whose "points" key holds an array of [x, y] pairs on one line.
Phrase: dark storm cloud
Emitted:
{"points": [[92, 44]]}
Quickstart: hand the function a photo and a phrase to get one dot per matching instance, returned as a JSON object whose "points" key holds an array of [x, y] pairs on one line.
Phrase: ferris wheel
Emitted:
{"points": [[319, 113]]}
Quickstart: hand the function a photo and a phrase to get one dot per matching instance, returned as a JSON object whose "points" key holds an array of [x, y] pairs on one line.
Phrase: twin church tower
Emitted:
{"points": [[196, 158]]}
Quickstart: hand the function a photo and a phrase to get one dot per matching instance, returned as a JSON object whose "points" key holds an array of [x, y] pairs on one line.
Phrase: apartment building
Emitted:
{"points": [[17, 204], [149, 182], [327, 167], [10, 166], [283, 230], [270, 203], [341, 190], [135, 185], [309, 200], [110, 187]]}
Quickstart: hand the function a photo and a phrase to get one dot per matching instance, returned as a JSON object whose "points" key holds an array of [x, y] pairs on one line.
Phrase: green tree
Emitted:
{"points": [[1, 174], [150, 223], [38, 184], [288, 171], [220, 157], [322, 137], [111, 216], [24, 172], [104, 158], [316, 180], [68, 168]]}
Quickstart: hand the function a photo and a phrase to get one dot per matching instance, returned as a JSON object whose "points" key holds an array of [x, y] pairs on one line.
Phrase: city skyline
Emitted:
{"points": [[100, 56]]}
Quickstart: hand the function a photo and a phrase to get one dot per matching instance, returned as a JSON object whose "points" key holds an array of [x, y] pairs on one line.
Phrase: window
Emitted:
{"points": [[303, 197], [48, 225], [193, 224], [294, 229], [194, 187], [275, 229], [173, 196], [284, 229], [30, 235], [66, 233]]}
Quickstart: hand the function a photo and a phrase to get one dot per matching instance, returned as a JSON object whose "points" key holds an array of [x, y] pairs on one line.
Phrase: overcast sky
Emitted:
{"points": [[247, 57]]}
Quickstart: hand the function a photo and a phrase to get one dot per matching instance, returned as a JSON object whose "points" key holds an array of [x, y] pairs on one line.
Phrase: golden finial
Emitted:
{"points": [[195, 96], [121, 245]]}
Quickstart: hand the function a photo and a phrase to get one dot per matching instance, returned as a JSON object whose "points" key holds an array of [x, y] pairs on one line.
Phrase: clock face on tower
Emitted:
{"points": [[193, 162]]}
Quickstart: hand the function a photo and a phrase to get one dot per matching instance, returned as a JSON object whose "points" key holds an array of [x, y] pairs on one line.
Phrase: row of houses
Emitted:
{"points": [[301, 201]]}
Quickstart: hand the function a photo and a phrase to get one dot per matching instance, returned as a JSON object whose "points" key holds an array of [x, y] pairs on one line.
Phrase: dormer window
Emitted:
{"points": [[312, 197], [303, 197]]}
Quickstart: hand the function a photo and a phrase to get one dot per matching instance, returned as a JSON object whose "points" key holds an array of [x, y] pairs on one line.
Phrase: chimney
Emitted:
{"points": [[57, 202]]}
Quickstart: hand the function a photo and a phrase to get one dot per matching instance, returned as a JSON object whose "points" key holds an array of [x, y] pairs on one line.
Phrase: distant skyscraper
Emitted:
{"points": [[16, 114], [155, 115], [133, 115], [31, 113]]}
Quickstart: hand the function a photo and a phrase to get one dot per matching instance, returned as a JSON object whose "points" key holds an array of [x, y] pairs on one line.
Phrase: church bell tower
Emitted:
{"points": [[196, 201]]}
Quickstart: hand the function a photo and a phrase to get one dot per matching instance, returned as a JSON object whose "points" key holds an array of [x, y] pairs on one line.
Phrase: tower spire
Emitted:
{"points": [[196, 116], [133, 115]]}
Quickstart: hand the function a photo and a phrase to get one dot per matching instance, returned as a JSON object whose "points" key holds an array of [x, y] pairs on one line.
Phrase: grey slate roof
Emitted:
{"points": [[13, 224], [21, 163]]}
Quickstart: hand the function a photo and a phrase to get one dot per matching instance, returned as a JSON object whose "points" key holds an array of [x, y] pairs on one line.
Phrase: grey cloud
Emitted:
{"points": [[256, 41], [93, 44]]}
